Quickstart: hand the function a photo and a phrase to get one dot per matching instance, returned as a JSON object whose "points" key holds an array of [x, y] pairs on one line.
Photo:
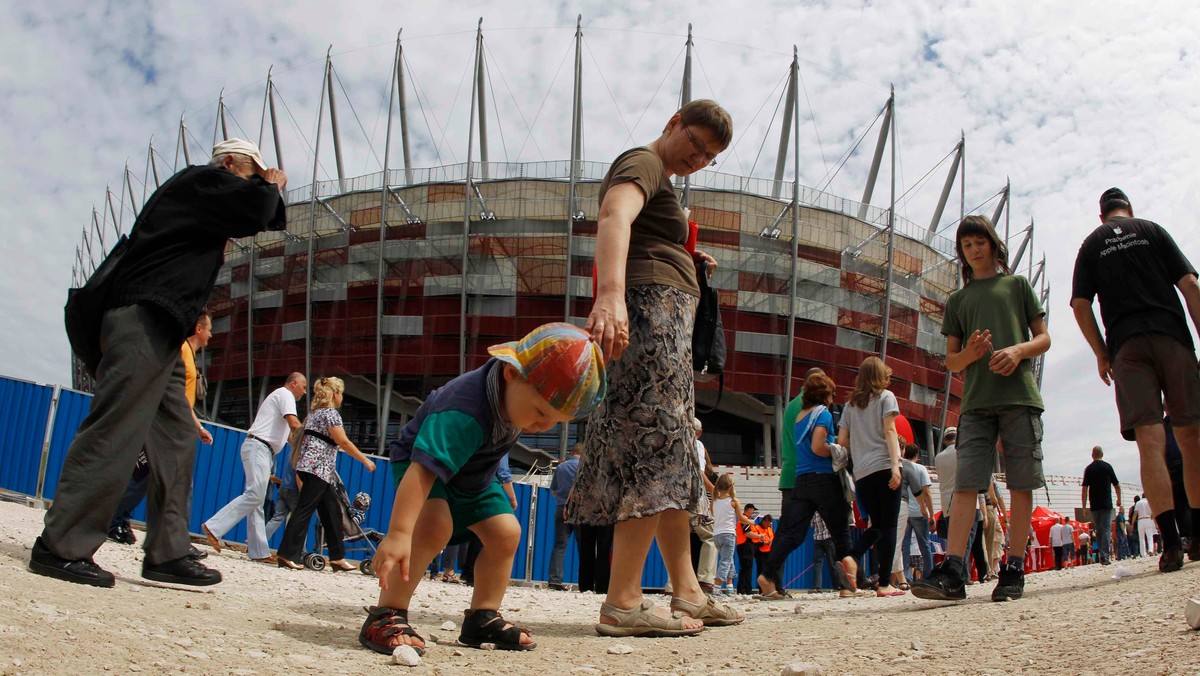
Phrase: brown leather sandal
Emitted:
{"points": [[382, 625], [711, 613]]}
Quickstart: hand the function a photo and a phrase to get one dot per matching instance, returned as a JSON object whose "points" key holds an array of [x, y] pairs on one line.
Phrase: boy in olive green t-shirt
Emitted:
{"points": [[994, 327]]}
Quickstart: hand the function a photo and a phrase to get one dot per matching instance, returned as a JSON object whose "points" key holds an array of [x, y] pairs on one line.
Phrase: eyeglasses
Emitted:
{"points": [[711, 158]]}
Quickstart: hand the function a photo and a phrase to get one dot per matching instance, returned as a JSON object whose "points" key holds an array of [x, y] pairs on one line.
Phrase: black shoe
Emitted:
{"points": [[181, 571], [1011, 585], [122, 534], [1171, 560], [942, 584], [195, 554], [1194, 549], [84, 571]]}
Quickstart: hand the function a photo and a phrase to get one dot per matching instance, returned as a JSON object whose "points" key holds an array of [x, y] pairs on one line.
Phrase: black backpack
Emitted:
{"points": [[86, 306], [708, 337]]}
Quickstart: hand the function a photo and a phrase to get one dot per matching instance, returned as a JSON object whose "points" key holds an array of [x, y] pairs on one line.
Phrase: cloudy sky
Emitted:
{"points": [[1066, 99]]}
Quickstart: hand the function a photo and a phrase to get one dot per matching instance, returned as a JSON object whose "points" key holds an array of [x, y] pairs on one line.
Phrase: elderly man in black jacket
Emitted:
{"points": [[158, 288]]}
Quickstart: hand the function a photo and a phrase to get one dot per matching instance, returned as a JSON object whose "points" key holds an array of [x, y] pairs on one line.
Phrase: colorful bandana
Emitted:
{"points": [[562, 364]]}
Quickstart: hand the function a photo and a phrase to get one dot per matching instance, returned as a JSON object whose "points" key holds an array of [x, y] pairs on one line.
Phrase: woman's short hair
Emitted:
{"points": [[818, 388], [710, 115], [324, 389]]}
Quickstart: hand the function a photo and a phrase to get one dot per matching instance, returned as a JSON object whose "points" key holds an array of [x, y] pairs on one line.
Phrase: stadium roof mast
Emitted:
{"points": [[269, 105], [468, 184], [791, 117], [941, 205], [963, 213], [326, 81], [685, 97], [891, 250]]}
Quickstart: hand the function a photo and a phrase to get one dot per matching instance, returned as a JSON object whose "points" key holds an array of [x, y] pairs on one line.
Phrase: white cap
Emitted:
{"points": [[239, 147], [950, 432]]}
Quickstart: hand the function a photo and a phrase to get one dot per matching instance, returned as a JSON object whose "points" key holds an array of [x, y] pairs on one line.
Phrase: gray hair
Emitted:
{"points": [[219, 159], [696, 425]]}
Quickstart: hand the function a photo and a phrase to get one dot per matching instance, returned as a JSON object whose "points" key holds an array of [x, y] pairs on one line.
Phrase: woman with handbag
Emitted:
{"points": [[314, 458], [818, 490], [639, 469], [868, 430]]}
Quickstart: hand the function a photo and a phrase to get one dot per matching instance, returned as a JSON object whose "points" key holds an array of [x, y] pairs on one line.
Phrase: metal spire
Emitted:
{"points": [[877, 159], [187, 155], [685, 95], [312, 224], [962, 213], [789, 109], [380, 410], [476, 91], [333, 121], [477, 96], [1000, 208], [269, 107], [941, 205], [791, 334], [891, 250]]}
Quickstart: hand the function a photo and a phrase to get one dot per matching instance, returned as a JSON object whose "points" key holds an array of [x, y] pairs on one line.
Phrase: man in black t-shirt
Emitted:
{"points": [[1134, 266], [1096, 479]]}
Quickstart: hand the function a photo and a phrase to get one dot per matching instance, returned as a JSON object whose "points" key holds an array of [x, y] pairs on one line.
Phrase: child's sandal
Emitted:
{"points": [[488, 626], [382, 625]]}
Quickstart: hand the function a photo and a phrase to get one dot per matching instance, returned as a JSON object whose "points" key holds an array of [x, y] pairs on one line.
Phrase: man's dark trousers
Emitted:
{"points": [[1102, 518], [562, 536], [139, 403]]}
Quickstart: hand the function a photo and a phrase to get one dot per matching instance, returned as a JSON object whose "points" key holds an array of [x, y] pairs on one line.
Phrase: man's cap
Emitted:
{"points": [[239, 147], [1114, 198], [749, 505], [562, 364], [950, 432]]}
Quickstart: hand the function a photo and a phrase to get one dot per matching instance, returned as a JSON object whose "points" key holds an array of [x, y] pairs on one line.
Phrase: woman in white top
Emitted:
{"points": [[868, 430]]}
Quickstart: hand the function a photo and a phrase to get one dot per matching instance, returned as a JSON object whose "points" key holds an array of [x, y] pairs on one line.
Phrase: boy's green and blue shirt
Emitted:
{"points": [[459, 433], [1006, 305]]}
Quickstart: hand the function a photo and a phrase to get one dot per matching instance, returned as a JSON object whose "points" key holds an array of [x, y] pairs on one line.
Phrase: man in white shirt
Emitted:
{"points": [[1145, 526], [1057, 538], [275, 420]]}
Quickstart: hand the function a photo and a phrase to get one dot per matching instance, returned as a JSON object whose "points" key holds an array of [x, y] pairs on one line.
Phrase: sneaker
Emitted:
{"points": [[183, 570], [122, 534], [1171, 560], [942, 584], [1194, 549], [84, 571], [1011, 585]]}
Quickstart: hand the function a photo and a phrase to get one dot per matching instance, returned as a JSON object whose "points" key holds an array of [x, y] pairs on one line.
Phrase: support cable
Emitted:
{"points": [[421, 104], [971, 211], [653, 96], [495, 103], [733, 147], [355, 114], [778, 105], [600, 72], [452, 104], [516, 105], [542, 106], [813, 115], [850, 153]]}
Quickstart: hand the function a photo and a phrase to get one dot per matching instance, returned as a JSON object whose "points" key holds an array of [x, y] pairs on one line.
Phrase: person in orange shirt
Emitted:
{"points": [[766, 532]]}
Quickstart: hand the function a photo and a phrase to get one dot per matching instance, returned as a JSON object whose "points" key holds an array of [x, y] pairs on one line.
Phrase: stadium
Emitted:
{"points": [[399, 280]]}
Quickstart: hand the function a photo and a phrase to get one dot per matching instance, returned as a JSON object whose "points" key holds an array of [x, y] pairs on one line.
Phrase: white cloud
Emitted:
{"points": [[1064, 99]]}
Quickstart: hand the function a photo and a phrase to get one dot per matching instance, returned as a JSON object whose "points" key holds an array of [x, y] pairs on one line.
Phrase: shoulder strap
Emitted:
{"points": [[318, 435], [812, 419]]}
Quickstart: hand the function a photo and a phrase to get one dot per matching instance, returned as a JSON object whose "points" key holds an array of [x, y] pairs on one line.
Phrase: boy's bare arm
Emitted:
{"points": [[396, 547], [1086, 319]]}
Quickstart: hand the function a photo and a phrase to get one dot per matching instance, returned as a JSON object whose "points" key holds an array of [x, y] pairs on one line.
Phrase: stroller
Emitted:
{"points": [[356, 539]]}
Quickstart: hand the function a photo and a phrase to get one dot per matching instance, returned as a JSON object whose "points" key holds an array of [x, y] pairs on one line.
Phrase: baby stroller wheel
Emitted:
{"points": [[315, 562], [365, 567]]}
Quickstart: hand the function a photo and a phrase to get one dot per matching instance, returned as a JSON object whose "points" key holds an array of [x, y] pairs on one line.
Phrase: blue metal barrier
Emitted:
{"points": [[24, 408], [71, 410]]}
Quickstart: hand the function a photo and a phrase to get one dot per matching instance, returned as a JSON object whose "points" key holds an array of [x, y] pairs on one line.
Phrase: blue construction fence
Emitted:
{"points": [[38, 423]]}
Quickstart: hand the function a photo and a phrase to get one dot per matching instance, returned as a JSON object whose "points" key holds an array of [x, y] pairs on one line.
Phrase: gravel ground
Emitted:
{"points": [[264, 620]]}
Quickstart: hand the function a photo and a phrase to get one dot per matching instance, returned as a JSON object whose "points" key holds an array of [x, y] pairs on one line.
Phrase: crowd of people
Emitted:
{"points": [[640, 474]]}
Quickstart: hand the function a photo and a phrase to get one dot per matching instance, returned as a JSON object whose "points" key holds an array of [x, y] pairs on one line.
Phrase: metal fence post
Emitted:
{"points": [[41, 480], [532, 532]]}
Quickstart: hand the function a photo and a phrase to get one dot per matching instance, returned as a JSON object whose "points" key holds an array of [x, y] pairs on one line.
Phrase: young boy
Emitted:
{"points": [[994, 327], [444, 465]]}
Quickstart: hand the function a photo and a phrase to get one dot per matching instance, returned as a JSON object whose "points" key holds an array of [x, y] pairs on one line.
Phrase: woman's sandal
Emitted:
{"points": [[488, 626], [711, 613], [382, 625], [342, 566], [641, 621], [773, 596]]}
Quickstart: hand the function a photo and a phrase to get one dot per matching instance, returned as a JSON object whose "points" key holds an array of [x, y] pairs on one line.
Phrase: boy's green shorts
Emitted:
{"points": [[466, 509]]}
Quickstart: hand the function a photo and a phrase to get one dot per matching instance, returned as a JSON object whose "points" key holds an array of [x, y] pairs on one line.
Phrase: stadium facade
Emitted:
{"points": [[398, 281]]}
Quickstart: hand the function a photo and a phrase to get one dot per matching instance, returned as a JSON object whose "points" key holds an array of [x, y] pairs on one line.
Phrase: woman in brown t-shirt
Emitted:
{"points": [[639, 469]]}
